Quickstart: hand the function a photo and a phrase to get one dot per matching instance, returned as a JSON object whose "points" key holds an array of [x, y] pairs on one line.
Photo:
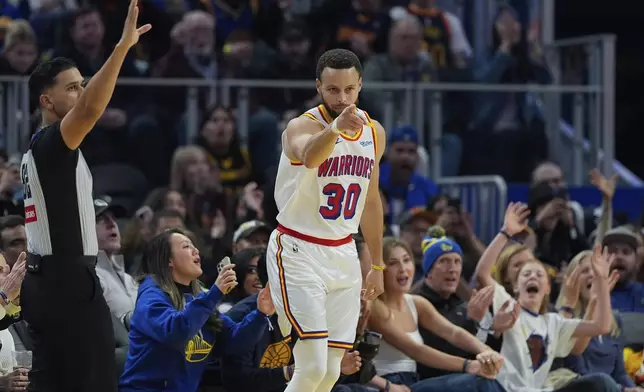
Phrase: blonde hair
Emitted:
{"points": [[19, 32], [581, 308], [388, 245], [503, 263], [181, 159]]}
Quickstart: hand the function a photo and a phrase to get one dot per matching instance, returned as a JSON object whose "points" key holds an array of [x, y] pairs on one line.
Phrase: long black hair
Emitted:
{"points": [[156, 264]]}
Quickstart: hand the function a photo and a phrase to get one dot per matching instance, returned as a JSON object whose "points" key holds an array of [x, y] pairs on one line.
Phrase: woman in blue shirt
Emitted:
{"points": [[175, 329]]}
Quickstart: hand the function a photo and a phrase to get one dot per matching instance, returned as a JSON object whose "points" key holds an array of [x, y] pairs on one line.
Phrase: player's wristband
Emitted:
{"points": [[334, 127], [378, 267]]}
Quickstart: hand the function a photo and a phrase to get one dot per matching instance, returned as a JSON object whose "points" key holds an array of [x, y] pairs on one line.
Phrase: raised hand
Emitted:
{"points": [[349, 121], [265, 301], [604, 185], [131, 33], [10, 286], [516, 218], [504, 320], [601, 261], [571, 288], [479, 303]]}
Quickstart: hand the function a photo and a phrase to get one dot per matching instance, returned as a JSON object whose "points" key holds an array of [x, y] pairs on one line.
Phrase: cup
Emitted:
{"points": [[22, 359]]}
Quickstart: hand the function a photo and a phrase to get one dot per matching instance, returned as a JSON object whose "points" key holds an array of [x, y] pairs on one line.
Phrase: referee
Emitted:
{"points": [[73, 342]]}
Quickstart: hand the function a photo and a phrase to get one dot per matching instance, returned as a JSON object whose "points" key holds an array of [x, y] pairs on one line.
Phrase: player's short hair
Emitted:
{"points": [[44, 76], [338, 59]]}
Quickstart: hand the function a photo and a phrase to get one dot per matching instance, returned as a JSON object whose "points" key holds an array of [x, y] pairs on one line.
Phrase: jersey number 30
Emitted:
{"points": [[341, 201]]}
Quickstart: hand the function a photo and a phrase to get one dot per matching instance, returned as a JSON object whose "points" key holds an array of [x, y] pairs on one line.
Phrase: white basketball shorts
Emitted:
{"points": [[315, 286]]}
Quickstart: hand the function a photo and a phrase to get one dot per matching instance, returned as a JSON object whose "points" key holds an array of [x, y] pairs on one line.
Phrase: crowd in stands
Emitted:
{"points": [[159, 193]]}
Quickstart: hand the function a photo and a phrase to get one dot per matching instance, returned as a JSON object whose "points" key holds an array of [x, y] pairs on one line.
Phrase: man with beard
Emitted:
{"points": [[628, 295], [327, 177], [404, 187]]}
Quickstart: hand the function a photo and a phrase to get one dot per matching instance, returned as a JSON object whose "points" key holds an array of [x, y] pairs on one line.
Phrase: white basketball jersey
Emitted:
{"points": [[327, 202]]}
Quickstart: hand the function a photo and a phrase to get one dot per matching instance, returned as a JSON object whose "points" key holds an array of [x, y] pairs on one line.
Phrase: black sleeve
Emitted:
{"points": [[48, 144]]}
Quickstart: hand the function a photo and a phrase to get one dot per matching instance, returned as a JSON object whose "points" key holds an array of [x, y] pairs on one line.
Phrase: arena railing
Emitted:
{"points": [[485, 197]]}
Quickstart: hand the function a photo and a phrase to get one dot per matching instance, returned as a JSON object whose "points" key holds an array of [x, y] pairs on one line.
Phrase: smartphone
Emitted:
{"points": [[371, 337], [222, 264]]}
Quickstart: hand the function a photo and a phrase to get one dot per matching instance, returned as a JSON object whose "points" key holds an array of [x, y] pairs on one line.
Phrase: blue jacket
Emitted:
{"points": [[417, 194], [169, 348], [628, 299]]}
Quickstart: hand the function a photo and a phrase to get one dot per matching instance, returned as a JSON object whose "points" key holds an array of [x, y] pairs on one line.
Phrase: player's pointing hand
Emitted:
{"points": [[349, 121], [131, 33]]}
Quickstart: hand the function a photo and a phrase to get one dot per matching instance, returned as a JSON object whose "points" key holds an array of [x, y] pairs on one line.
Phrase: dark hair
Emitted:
{"points": [[241, 260], [338, 59], [11, 221], [80, 12], [44, 76], [156, 198], [154, 263], [158, 215]]}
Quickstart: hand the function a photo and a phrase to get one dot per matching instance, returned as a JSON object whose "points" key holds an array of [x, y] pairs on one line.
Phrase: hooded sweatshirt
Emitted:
{"points": [[169, 348]]}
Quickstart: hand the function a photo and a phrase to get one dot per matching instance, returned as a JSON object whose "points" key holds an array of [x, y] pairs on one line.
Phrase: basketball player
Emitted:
{"points": [[73, 346], [327, 177]]}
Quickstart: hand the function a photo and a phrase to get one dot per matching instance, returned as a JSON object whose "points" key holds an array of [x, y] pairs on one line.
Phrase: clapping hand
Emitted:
{"points": [[479, 303], [351, 363], [265, 301], [515, 220], [131, 33], [504, 320], [571, 288], [10, 285], [601, 262]]}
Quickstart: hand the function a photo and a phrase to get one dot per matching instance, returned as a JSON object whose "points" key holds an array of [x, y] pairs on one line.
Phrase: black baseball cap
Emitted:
{"points": [[103, 204], [247, 229], [621, 235]]}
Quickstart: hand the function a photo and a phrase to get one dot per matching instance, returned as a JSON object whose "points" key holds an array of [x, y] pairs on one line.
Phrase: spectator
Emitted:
{"points": [[11, 189], [20, 49], [398, 178], [604, 354], [508, 136], [403, 345], [269, 365], [551, 335], [250, 205], [165, 220], [622, 244], [252, 234], [119, 288], [166, 199], [219, 137], [413, 228], [245, 262], [439, 287], [458, 225], [171, 342], [445, 38], [13, 239]]}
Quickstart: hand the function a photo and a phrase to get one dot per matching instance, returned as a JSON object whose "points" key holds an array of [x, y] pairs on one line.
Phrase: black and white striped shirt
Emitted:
{"points": [[59, 209]]}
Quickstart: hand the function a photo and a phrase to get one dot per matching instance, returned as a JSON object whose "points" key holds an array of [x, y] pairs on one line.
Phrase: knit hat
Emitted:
{"points": [[435, 245]]}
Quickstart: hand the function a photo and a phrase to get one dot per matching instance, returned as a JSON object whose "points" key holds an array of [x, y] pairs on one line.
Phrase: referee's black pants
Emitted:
{"points": [[70, 324]]}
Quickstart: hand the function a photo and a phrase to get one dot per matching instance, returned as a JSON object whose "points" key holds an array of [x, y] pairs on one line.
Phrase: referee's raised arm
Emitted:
{"points": [[93, 100]]}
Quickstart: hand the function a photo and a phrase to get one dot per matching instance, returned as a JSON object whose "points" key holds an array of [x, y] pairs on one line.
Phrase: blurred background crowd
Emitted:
{"points": [[480, 104]]}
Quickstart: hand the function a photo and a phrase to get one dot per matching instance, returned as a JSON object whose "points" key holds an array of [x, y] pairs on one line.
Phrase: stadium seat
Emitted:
{"points": [[125, 184]]}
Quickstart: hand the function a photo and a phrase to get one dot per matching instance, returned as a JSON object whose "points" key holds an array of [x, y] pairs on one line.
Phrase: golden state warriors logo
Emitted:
{"points": [[445, 247], [277, 355], [197, 349]]}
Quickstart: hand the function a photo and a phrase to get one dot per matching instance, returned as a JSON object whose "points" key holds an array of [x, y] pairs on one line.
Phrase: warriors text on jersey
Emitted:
{"points": [[327, 202], [59, 209]]}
